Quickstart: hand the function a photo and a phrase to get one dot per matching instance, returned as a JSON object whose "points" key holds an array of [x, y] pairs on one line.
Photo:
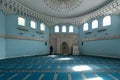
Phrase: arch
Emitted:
{"points": [[56, 29], [33, 24], [63, 28], [64, 48], [21, 21], [107, 20], [42, 26], [70, 28], [95, 24], [85, 27]]}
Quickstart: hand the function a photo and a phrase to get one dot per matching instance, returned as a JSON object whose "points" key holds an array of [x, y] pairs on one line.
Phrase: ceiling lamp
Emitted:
{"points": [[63, 5]]}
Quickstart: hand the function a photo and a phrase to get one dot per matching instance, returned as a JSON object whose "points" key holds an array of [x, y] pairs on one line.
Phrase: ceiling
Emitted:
{"points": [[64, 8]]}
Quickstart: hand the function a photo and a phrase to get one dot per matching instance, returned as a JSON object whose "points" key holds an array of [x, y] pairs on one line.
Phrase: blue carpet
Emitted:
{"points": [[76, 76], [34, 76], [48, 68], [89, 75], [44, 67], [7, 75], [48, 76], [54, 67], [117, 75], [62, 76], [63, 66], [105, 76], [35, 67], [20, 76]]}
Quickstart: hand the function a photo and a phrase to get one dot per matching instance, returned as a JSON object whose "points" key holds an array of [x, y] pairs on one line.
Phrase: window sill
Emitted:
{"points": [[23, 28], [88, 32], [102, 29], [39, 32]]}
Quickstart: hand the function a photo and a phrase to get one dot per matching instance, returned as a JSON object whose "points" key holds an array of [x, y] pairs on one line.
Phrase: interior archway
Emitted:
{"points": [[64, 48]]}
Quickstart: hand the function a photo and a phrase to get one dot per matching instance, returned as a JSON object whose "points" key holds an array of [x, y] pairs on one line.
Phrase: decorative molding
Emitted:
{"points": [[22, 37], [61, 5], [2, 35], [102, 38], [14, 7]]}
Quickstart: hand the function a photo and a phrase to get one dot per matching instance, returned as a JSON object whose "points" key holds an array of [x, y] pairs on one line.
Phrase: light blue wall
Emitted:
{"points": [[16, 48], [108, 48], [67, 28], [2, 31]]}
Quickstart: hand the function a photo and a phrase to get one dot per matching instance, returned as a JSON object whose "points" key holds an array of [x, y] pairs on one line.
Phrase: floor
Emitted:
{"points": [[60, 67]]}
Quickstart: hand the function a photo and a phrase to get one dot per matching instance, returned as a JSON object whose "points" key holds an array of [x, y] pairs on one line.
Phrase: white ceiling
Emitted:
{"points": [[85, 7]]}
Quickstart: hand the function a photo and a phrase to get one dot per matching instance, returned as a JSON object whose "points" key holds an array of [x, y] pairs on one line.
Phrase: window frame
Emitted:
{"points": [[58, 29], [42, 29], [84, 27], [23, 19], [95, 24], [31, 24], [71, 29], [64, 29], [106, 19]]}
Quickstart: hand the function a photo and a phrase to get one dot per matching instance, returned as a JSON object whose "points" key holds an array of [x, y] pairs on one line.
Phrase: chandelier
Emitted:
{"points": [[63, 5]]}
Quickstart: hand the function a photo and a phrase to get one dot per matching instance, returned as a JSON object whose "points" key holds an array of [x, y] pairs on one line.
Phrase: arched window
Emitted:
{"points": [[85, 27], [71, 28], [33, 24], [106, 21], [63, 28], [42, 26], [95, 24], [56, 28], [21, 21]]}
